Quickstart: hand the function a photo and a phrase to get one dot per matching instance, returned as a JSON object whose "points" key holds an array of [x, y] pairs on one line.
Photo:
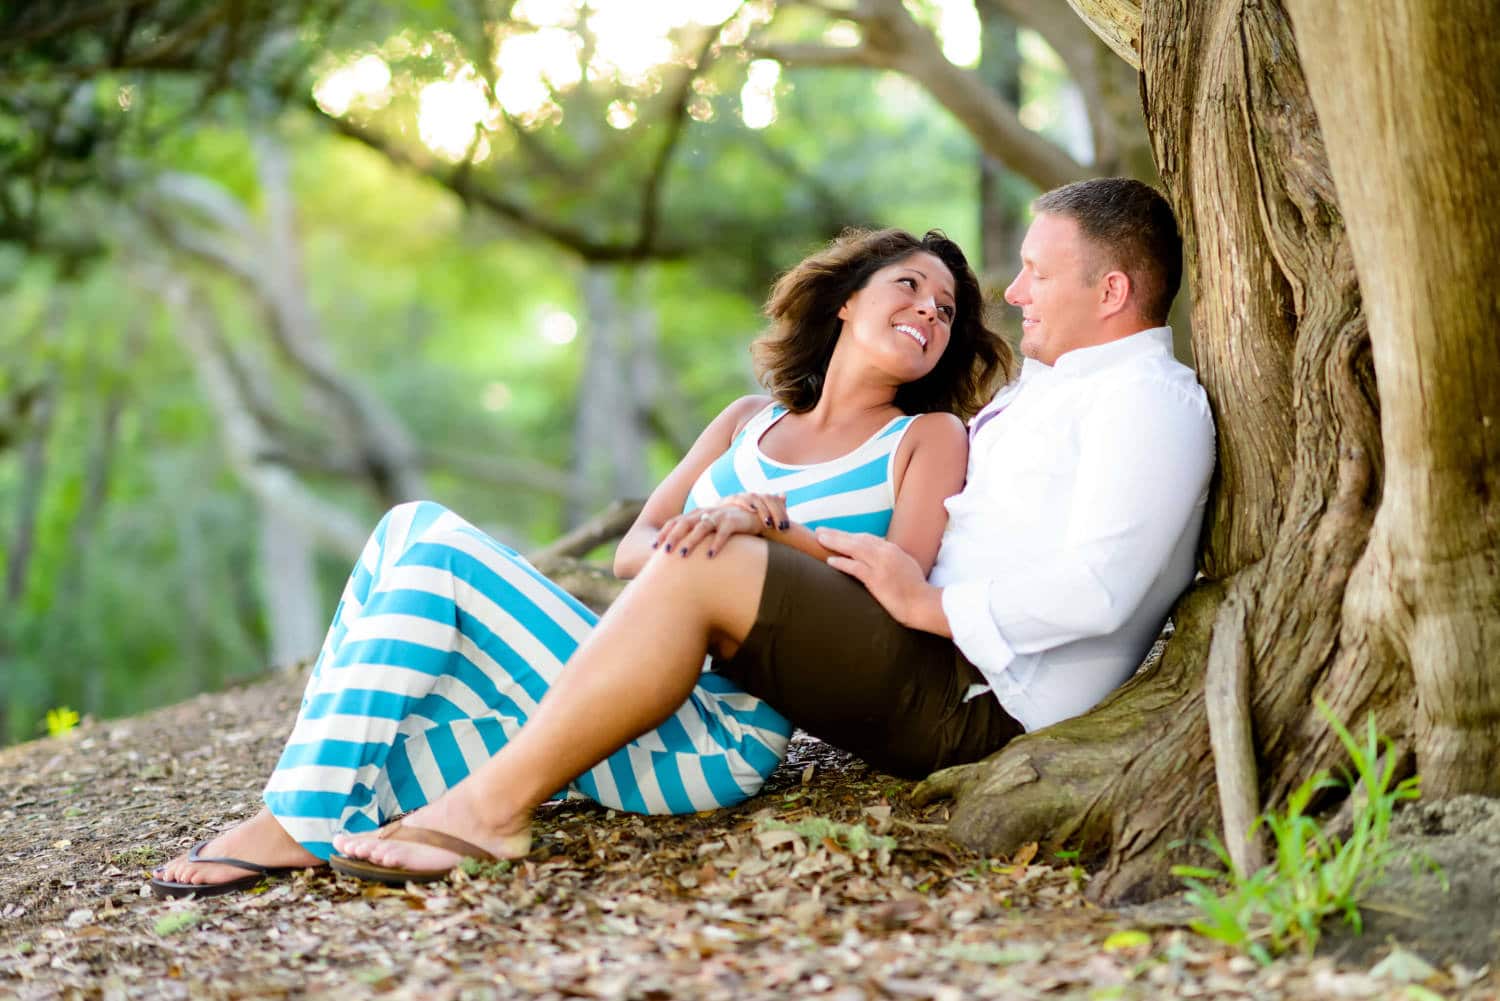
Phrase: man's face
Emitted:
{"points": [[1059, 308]]}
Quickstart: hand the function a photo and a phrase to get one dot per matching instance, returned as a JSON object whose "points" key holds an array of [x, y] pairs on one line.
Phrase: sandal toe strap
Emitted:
{"points": [[434, 839], [195, 856]]}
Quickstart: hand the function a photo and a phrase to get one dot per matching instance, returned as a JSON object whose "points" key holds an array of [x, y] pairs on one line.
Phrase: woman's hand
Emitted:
{"points": [[715, 524], [770, 509]]}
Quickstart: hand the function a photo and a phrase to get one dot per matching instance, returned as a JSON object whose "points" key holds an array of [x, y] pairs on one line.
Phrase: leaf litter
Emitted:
{"points": [[830, 884]]}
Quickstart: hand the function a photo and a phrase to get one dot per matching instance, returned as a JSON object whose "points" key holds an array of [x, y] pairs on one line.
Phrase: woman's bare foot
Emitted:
{"points": [[505, 839], [260, 839]]}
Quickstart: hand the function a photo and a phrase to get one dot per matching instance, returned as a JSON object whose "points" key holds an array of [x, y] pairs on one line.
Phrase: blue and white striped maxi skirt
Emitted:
{"points": [[442, 645]]}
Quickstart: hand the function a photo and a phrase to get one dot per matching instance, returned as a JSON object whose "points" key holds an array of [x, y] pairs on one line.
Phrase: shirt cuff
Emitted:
{"points": [[967, 606]]}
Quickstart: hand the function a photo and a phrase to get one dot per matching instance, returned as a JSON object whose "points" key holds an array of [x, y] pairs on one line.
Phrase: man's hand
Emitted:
{"points": [[891, 576]]}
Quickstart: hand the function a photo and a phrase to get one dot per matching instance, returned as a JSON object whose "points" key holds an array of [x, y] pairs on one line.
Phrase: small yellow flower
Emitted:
{"points": [[61, 721]]}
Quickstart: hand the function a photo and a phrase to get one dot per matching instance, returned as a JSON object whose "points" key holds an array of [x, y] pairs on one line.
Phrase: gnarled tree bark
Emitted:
{"points": [[1426, 594], [1353, 547]]}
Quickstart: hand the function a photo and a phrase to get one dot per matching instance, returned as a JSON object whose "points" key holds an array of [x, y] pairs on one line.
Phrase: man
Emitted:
{"points": [[1075, 531]]}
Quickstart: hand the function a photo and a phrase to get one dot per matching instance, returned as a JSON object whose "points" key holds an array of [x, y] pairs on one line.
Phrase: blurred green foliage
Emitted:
{"points": [[150, 590]]}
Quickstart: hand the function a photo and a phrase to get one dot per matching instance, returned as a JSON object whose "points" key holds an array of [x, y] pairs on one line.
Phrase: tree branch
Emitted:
{"points": [[508, 471], [894, 40], [606, 526], [593, 585], [1110, 86], [378, 435], [675, 122], [245, 441], [20, 35], [268, 266], [1227, 701], [513, 211], [1062, 29], [804, 54], [1118, 22]]}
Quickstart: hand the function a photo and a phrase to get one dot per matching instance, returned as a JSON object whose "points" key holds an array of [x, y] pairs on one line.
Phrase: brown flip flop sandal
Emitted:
{"points": [[392, 876], [258, 874]]}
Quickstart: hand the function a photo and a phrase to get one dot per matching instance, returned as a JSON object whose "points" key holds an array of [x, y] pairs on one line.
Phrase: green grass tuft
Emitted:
{"points": [[171, 924], [475, 869], [1312, 876], [856, 839], [992, 954], [143, 856]]}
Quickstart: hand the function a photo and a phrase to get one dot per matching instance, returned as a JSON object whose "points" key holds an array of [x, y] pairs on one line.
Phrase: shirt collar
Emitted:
{"points": [[1085, 361], [1080, 361]]}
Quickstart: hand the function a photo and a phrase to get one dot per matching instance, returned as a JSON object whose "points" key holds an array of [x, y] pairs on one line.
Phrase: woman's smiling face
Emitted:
{"points": [[903, 315]]}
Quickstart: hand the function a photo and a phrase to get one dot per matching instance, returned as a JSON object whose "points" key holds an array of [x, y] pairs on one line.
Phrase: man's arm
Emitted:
{"points": [[1144, 462]]}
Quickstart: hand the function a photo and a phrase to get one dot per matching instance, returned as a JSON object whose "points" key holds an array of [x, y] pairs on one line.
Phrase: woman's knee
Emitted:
{"points": [[725, 585], [414, 511]]}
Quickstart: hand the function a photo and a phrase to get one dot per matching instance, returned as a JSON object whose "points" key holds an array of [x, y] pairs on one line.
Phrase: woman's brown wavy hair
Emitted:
{"points": [[791, 358]]}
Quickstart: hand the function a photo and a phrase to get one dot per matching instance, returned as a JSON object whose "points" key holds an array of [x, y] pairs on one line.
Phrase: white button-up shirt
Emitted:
{"points": [[1078, 526]]}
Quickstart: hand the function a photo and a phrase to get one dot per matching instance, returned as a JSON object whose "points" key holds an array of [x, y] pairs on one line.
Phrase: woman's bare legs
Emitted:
{"points": [[260, 839], [638, 665]]}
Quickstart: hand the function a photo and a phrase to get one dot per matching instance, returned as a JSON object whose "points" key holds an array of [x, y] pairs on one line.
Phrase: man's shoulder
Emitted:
{"points": [[1156, 367], [1157, 381]]}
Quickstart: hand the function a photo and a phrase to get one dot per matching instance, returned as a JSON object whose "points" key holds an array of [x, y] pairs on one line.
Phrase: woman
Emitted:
{"points": [[445, 641]]}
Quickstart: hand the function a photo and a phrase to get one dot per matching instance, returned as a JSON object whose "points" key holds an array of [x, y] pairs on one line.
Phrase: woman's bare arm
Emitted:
{"points": [[667, 500], [936, 462]]}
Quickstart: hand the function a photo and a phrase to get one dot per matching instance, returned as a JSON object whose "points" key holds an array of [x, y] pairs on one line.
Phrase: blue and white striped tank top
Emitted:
{"points": [[855, 492]]}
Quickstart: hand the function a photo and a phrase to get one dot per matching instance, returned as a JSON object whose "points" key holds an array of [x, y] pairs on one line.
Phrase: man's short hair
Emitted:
{"points": [[1132, 229]]}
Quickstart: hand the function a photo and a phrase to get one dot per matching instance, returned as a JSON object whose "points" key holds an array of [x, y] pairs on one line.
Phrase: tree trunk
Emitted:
{"points": [[609, 440], [33, 485], [294, 604], [1309, 589], [36, 428], [1001, 194], [98, 474], [246, 441], [369, 429], [1426, 595]]}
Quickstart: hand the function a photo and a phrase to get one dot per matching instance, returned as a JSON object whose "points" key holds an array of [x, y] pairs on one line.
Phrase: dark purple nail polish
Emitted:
{"points": [[710, 554], [684, 554], [785, 524]]}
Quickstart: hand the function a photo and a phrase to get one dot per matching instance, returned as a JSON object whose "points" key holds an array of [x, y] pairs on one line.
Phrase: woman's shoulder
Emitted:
{"points": [[936, 437], [742, 411], [939, 429]]}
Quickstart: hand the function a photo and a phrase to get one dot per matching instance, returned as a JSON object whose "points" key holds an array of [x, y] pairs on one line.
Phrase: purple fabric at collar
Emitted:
{"points": [[985, 419]]}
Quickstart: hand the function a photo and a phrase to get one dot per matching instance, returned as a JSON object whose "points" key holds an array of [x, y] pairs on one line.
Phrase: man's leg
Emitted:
{"points": [[826, 656], [632, 672]]}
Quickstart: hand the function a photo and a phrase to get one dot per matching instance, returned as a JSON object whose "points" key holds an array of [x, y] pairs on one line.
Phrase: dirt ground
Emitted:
{"points": [[768, 900]]}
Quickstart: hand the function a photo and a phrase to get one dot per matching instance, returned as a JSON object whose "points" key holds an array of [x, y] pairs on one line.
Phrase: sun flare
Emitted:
{"points": [[540, 54]]}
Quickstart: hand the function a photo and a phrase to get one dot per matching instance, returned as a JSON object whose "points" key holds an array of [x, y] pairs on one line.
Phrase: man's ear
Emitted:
{"points": [[1116, 293]]}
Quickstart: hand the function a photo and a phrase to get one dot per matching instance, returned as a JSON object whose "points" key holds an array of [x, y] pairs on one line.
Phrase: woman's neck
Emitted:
{"points": [[851, 396]]}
